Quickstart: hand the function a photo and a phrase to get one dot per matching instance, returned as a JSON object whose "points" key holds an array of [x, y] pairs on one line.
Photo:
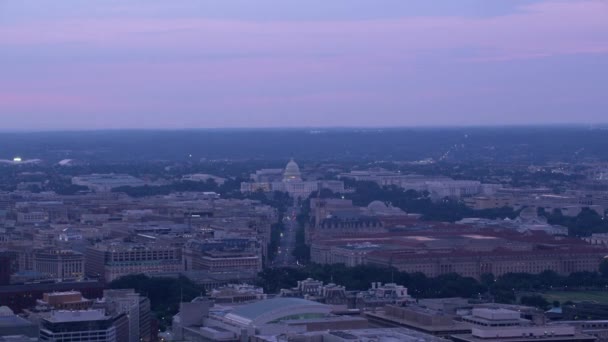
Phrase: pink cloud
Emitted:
{"points": [[13, 100], [543, 29], [219, 71]]}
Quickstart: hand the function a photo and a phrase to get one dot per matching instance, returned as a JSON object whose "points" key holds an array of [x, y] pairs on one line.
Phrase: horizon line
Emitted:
{"points": [[302, 128]]}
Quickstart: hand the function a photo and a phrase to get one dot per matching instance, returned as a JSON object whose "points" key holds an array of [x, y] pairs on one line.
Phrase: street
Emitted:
{"points": [[288, 240]]}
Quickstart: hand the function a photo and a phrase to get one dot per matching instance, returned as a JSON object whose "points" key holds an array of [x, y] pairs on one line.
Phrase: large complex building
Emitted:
{"points": [[460, 250], [291, 182], [59, 264], [201, 321], [437, 186], [226, 255], [23, 296], [110, 261], [340, 217]]}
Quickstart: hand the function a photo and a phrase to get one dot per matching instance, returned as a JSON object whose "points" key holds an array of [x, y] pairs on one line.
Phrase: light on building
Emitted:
{"points": [[17, 159]]}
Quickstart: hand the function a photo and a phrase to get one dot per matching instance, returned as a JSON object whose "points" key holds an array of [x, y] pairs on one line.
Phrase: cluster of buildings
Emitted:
{"points": [[114, 316], [59, 253], [310, 312], [314, 311], [98, 237]]}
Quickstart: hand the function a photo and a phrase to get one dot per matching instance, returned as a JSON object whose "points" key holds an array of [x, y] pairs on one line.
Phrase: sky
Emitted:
{"points": [[113, 64]]}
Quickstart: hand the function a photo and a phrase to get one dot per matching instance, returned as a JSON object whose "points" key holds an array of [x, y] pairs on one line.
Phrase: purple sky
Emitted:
{"points": [[72, 64]]}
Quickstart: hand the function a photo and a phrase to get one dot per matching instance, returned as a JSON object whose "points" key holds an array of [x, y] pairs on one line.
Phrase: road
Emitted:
{"points": [[287, 243]]}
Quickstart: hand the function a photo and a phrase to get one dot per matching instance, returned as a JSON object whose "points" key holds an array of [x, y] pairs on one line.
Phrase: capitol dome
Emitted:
{"points": [[377, 206], [292, 172], [6, 311]]}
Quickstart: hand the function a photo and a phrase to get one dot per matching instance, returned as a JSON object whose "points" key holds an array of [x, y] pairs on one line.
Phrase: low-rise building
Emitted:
{"points": [[107, 182], [461, 249], [380, 295], [488, 324], [237, 293], [66, 300], [12, 325]]}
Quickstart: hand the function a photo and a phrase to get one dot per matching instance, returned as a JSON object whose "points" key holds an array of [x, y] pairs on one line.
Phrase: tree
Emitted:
{"points": [[535, 301], [604, 267]]}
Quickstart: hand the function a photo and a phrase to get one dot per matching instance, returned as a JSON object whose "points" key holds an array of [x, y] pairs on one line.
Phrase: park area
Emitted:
{"points": [[576, 296]]}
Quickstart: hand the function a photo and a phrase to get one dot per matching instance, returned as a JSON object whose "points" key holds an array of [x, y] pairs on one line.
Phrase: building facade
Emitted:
{"points": [[59, 264], [114, 260]]}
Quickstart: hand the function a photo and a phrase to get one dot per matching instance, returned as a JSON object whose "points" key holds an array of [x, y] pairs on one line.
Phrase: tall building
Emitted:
{"points": [[78, 326], [136, 308]]}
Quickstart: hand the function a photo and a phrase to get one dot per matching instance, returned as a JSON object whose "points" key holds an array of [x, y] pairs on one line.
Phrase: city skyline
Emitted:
{"points": [[126, 64]]}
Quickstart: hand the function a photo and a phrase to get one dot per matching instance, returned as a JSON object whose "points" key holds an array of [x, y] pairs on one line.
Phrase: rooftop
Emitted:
{"points": [[77, 316], [13, 321], [252, 311], [275, 309]]}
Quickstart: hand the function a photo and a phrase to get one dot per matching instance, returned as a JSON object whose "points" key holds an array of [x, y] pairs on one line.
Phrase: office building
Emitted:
{"points": [[223, 255], [135, 307], [78, 326], [59, 264], [110, 261], [444, 249]]}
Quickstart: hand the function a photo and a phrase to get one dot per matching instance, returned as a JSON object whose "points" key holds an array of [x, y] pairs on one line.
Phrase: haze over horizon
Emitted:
{"points": [[74, 64]]}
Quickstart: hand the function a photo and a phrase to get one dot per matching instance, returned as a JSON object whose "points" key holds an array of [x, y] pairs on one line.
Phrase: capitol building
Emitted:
{"points": [[288, 180]]}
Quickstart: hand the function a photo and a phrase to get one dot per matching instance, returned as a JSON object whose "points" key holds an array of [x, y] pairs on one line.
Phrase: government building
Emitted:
{"points": [[288, 180], [466, 252]]}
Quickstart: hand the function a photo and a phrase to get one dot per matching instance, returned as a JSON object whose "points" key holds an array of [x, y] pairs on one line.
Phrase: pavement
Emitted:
{"points": [[287, 243]]}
